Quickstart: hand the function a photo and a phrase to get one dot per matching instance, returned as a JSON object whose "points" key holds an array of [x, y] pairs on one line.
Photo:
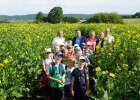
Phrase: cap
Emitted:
{"points": [[82, 58], [48, 50], [77, 48], [76, 45], [69, 46], [83, 44], [58, 54], [88, 43]]}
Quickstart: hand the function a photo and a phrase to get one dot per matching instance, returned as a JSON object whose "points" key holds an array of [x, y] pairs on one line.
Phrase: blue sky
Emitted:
{"points": [[22, 7]]}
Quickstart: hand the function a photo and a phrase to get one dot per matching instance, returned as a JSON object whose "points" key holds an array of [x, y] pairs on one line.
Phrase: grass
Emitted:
{"points": [[132, 21]]}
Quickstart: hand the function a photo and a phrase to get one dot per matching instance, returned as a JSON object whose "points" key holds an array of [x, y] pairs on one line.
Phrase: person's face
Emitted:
{"points": [[60, 34], [107, 31], [101, 35], [57, 49], [78, 54], [78, 33], [58, 59], [71, 63], [69, 50], [92, 35], [81, 62]]}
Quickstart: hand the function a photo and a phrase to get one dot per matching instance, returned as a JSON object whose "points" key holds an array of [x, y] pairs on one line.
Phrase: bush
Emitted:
{"points": [[4, 21], [105, 18], [70, 19]]}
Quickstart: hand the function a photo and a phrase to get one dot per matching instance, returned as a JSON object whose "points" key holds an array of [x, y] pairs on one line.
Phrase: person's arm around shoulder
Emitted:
{"points": [[50, 77]]}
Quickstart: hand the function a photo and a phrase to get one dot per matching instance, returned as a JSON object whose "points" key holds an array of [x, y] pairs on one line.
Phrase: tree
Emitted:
{"points": [[137, 15], [55, 15], [39, 17], [70, 19], [105, 18]]}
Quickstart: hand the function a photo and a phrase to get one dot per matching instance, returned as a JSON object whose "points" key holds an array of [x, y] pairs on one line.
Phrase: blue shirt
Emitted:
{"points": [[78, 41]]}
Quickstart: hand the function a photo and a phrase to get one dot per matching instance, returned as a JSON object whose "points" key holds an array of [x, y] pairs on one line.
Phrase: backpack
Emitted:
{"points": [[60, 69]]}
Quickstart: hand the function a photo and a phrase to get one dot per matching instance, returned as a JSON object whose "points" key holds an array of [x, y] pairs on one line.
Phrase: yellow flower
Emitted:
{"points": [[1, 64], [27, 89], [5, 61], [10, 57], [138, 49], [111, 74], [121, 55], [119, 69], [17, 76], [125, 65], [131, 73], [98, 69], [103, 72], [97, 47], [106, 71], [109, 54]]}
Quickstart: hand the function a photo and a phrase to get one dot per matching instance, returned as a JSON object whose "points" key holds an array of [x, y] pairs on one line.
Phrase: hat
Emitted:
{"points": [[88, 43], [82, 58], [83, 44], [48, 50], [77, 48], [58, 54], [76, 45], [69, 46]]}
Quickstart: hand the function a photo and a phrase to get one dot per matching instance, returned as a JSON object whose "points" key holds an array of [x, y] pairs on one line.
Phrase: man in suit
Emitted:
{"points": [[100, 40], [78, 39]]}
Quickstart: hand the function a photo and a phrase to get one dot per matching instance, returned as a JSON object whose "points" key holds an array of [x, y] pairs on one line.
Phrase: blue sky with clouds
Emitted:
{"points": [[22, 7]]}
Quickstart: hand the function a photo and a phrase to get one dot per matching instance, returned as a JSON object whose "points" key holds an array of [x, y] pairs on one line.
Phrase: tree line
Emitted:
{"points": [[56, 16]]}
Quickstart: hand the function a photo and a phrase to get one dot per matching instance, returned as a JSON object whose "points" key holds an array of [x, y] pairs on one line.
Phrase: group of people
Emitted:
{"points": [[65, 70]]}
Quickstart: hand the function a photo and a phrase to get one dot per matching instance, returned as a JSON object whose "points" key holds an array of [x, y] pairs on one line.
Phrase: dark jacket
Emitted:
{"points": [[97, 42], [82, 40]]}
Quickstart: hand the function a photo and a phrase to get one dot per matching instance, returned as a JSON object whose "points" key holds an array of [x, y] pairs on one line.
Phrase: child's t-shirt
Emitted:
{"points": [[56, 75], [79, 79], [68, 77], [46, 63]]}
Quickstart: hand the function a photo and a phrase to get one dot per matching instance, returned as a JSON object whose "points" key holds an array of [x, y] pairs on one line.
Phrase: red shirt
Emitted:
{"points": [[92, 42]]}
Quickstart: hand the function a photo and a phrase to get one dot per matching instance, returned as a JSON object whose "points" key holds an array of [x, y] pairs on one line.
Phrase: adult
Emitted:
{"points": [[58, 40], [100, 40], [108, 36], [78, 39], [92, 40]]}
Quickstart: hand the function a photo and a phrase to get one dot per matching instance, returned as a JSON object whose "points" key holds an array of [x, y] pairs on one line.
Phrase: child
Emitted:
{"points": [[68, 42], [70, 52], [56, 75], [68, 78], [65, 56], [45, 63], [56, 49], [80, 81]]}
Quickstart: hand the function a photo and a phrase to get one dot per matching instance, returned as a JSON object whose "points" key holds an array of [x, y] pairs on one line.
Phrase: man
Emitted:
{"points": [[78, 39], [108, 36], [100, 40], [56, 74], [58, 40]]}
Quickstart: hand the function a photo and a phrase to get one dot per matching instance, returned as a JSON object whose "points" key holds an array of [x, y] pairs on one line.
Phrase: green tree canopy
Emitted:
{"points": [[39, 16], [55, 15]]}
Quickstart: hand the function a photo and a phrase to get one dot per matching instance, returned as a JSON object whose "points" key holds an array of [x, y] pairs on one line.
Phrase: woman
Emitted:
{"points": [[92, 40]]}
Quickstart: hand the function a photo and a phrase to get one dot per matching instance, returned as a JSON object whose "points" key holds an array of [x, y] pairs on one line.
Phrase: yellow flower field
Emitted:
{"points": [[21, 51]]}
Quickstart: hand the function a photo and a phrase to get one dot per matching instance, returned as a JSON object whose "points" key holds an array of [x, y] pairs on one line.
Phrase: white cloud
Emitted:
{"points": [[15, 7]]}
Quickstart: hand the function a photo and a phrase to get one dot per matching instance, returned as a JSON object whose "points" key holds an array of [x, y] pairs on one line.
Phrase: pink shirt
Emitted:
{"points": [[92, 42], [46, 63]]}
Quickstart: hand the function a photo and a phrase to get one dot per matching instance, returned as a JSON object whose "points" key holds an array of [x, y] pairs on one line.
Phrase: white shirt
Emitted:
{"points": [[110, 38], [57, 41], [68, 77], [100, 41]]}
